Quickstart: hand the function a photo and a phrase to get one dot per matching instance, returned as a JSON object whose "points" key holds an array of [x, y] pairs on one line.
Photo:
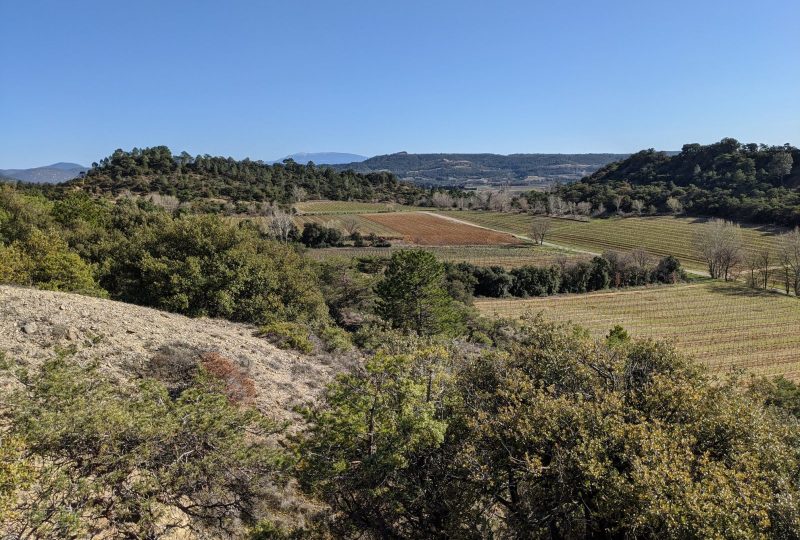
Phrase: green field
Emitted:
{"points": [[659, 235], [506, 256], [724, 325], [350, 207]]}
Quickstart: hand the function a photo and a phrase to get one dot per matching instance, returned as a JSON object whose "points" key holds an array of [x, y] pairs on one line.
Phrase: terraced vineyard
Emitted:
{"points": [[724, 325], [660, 235], [506, 256], [349, 207]]}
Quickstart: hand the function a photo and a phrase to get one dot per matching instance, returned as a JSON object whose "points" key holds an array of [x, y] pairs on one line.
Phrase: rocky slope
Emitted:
{"points": [[35, 324]]}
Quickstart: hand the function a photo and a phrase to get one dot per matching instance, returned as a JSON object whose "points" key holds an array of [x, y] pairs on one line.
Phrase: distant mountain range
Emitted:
{"points": [[466, 170], [323, 158], [50, 174], [473, 170]]}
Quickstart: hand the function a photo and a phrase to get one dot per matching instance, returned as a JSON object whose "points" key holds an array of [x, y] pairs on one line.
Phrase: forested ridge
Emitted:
{"points": [[157, 170], [456, 169], [728, 179]]}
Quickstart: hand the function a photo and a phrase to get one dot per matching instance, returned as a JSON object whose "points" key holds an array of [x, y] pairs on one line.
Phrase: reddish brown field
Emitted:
{"points": [[431, 230]]}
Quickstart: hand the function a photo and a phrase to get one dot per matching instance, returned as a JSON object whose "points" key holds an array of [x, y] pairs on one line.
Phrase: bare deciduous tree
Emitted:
{"points": [[441, 199], [600, 210], [759, 267], [584, 208], [789, 257], [674, 205], [280, 225], [719, 243], [642, 264], [167, 202], [539, 229], [299, 194], [618, 203], [350, 225], [500, 201], [637, 206]]}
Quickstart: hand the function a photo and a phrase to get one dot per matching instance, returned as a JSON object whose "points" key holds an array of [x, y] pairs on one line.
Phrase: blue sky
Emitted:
{"points": [[264, 79]]}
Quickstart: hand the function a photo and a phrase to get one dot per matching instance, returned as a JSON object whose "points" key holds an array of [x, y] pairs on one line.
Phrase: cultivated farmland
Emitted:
{"points": [[349, 207], [659, 235], [365, 226], [505, 256], [426, 229], [724, 325]]}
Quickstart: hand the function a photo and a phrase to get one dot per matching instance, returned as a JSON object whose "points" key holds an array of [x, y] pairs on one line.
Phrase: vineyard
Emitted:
{"points": [[349, 207], [426, 229], [723, 325], [660, 236], [507, 257]]}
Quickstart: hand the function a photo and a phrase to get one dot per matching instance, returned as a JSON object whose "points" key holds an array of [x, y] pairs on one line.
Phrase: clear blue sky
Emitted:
{"points": [[264, 79]]}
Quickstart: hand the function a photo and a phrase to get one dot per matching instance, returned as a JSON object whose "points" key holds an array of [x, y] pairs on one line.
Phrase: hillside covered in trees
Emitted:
{"points": [[158, 170], [460, 169], [728, 179]]}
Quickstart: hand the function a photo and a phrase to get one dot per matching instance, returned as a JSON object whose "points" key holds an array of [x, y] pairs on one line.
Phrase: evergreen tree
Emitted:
{"points": [[412, 294]]}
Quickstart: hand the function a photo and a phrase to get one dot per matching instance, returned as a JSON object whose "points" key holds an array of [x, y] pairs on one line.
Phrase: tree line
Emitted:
{"points": [[188, 178], [611, 270]]}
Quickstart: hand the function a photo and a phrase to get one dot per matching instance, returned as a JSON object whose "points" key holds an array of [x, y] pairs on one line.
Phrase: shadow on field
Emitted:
{"points": [[743, 291], [766, 230]]}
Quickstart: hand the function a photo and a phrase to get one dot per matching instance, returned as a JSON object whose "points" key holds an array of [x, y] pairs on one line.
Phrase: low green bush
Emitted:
{"points": [[288, 335]]}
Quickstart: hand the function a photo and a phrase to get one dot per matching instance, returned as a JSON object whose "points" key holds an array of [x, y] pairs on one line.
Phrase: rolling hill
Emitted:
{"points": [[49, 174], [485, 169], [323, 158]]}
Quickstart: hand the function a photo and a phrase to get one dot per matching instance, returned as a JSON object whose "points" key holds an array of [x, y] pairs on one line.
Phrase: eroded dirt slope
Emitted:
{"points": [[35, 324]]}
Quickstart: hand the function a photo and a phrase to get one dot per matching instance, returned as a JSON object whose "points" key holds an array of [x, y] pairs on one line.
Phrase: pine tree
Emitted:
{"points": [[412, 296]]}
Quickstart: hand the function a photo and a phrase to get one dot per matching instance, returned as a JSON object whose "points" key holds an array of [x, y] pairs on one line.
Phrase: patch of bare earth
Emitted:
{"points": [[35, 324]]}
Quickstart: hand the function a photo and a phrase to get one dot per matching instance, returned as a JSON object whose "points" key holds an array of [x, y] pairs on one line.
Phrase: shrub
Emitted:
{"points": [[202, 266], [133, 460], [44, 260], [288, 335], [553, 435], [236, 385], [319, 236], [336, 339], [174, 365]]}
